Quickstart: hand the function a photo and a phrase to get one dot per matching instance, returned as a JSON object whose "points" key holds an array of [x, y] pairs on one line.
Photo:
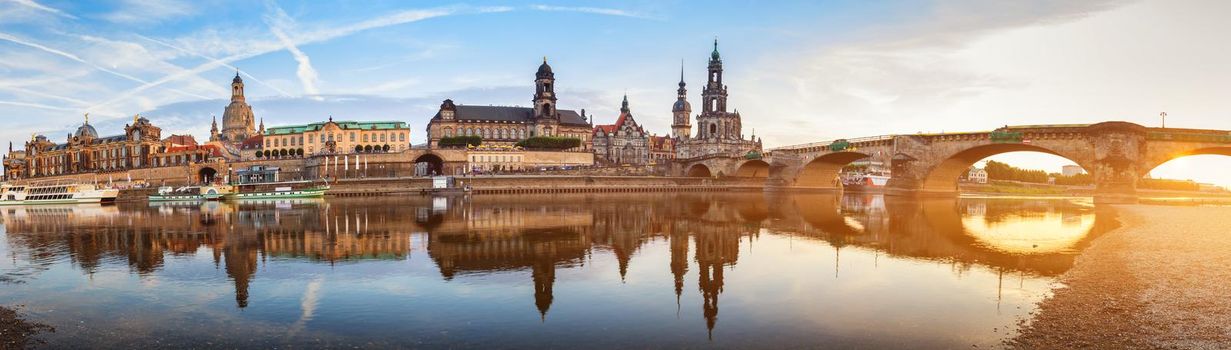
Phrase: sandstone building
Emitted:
{"points": [[84, 151], [335, 137], [719, 132], [505, 125], [624, 142]]}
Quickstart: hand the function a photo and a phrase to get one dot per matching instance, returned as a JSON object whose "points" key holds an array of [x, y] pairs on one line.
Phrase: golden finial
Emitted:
{"points": [[87, 117], [135, 116]]}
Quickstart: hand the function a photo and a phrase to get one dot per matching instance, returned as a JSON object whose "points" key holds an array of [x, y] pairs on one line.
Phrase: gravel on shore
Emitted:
{"points": [[16, 332], [1161, 280]]}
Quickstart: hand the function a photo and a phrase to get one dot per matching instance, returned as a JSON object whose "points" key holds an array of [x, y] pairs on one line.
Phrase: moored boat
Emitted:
{"points": [[191, 193], [57, 192], [263, 182]]}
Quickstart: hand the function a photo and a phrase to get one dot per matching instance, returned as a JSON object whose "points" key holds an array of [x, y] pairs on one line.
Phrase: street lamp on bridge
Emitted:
{"points": [[1164, 116]]}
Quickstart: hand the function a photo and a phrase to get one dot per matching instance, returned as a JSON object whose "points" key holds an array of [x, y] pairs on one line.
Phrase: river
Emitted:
{"points": [[732, 270]]}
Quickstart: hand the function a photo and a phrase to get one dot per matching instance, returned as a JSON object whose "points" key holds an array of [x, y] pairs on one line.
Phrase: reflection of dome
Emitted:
{"points": [[1044, 234], [86, 129]]}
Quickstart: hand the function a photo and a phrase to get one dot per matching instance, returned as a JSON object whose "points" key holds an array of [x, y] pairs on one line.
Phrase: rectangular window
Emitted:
{"points": [[382, 137], [402, 137], [365, 137], [352, 136]]}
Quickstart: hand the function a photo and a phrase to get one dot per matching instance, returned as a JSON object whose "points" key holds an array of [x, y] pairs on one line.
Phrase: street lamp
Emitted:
{"points": [[1164, 116]]}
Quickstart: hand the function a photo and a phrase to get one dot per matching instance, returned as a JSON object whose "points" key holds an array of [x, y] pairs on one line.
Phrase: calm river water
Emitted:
{"points": [[596, 271]]}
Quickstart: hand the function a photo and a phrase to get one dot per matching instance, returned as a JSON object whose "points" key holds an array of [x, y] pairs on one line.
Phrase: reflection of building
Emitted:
{"points": [[505, 125], [719, 132], [624, 142], [339, 137]]}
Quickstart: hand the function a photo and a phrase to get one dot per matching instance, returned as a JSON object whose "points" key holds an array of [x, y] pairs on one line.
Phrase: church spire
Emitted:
{"points": [[714, 55], [624, 105]]}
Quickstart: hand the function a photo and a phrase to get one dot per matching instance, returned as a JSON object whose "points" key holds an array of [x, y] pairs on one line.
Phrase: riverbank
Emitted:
{"points": [[1159, 281], [16, 332]]}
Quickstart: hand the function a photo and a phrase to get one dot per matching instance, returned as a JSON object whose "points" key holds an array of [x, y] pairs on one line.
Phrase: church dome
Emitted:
{"points": [[681, 105], [544, 70], [237, 79]]}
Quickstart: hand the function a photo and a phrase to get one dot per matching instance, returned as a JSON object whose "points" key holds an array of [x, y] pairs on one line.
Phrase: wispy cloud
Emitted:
{"points": [[279, 22], [37, 6], [144, 11], [215, 60], [308, 37], [27, 43], [593, 10]]}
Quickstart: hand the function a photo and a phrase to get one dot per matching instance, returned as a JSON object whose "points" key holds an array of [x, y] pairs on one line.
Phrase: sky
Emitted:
{"points": [[798, 71]]}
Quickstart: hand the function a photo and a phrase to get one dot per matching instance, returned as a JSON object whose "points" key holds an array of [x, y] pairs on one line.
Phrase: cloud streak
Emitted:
{"points": [[37, 6], [279, 22], [316, 36], [591, 10]]}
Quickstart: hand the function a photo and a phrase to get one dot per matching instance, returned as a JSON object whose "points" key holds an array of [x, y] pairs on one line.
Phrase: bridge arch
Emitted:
{"points": [[1157, 160], [823, 171], [943, 177], [753, 168], [698, 170]]}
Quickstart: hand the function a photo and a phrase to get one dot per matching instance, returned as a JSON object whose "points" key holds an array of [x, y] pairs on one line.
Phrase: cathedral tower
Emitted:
{"points": [[681, 111], [715, 94]]}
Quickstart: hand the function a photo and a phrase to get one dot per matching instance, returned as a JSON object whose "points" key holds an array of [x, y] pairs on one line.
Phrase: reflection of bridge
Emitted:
{"points": [[1117, 154]]}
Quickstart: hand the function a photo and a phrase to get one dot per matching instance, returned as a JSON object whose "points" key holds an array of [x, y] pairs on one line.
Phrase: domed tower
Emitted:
{"points": [[545, 93], [681, 127], [238, 122], [86, 131]]}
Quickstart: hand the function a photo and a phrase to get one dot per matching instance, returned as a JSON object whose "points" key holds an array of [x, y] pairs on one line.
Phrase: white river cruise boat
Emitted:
{"points": [[61, 192]]}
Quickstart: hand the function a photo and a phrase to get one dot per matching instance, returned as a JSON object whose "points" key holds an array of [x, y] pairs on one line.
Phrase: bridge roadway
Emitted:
{"points": [[1117, 154]]}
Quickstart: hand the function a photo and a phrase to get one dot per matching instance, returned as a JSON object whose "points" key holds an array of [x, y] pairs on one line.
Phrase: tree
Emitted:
{"points": [[548, 142], [358, 148], [460, 141], [260, 154]]}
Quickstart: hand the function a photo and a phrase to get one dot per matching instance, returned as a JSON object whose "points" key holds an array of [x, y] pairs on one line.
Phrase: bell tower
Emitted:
{"points": [[715, 94], [680, 125], [545, 93]]}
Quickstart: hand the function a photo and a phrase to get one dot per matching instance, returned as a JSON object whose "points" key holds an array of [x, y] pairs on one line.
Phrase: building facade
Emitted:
{"points": [[335, 137], [662, 149], [977, 175], [719, 132], [624, 142], [505, 125], [140, 146]]}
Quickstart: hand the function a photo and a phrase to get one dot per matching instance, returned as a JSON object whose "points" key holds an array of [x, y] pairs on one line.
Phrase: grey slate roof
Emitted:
{"points": [[511, 114]]}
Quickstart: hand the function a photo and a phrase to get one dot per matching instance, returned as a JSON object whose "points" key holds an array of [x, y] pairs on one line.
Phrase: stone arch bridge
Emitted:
{"points": [[1116, 154]]}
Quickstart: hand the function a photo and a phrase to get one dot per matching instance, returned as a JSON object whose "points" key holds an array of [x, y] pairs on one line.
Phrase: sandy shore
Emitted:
{"points": [[1162, 280], [17, 333]]}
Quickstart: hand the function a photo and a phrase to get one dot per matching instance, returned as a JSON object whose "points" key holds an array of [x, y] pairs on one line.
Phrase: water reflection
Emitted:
{"points": [[483, 238]]}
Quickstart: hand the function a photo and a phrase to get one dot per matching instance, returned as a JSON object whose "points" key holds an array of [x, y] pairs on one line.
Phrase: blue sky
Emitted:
{"points": [[799, 71]]}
